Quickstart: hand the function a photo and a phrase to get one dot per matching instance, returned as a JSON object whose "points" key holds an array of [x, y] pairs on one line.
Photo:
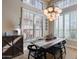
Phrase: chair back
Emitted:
{"points": [[64, 42], [35, 48], [32, 47]]}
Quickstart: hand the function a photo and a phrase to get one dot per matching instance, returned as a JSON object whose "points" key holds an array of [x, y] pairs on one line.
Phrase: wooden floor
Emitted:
{"points": [[71, 54]]}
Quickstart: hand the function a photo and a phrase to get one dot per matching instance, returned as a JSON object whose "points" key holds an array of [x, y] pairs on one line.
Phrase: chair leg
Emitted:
{"points": [[36, 57], [61, 54], [65, 50], [41, 57], [45, 55], [54, 56], [29, 55]]}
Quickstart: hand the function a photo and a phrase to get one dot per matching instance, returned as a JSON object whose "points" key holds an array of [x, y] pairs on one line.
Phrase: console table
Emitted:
{"points": [[12, 46]]}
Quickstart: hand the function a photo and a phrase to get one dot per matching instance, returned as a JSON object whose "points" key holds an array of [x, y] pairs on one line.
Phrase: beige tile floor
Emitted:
{"points": [[71, 54]]}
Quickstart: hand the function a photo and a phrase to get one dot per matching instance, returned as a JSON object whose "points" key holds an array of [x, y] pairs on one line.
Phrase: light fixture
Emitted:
{"points": [[52, 12]]}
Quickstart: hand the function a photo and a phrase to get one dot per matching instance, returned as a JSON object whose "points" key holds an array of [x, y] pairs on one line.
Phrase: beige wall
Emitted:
{"points": [[10, 14], [11, 11]]}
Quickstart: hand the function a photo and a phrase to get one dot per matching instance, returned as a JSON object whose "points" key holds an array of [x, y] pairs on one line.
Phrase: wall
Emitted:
{"points": [[10, 11]]}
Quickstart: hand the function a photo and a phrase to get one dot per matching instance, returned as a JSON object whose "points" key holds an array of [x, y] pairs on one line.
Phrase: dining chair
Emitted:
{"points": [[62, 46], [36, 52], [54, 51], [58, 48]]}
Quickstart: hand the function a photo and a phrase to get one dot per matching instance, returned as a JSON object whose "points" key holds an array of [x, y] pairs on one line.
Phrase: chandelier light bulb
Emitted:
{"points": [[49, 14], [53, 13], [57, 15], [58, 10], [50, 19], [53, 17], [45, 12], [50, 9]]}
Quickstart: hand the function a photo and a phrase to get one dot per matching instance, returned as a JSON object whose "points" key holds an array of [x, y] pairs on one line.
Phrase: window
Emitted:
{"points": [[65, 3], [68, 3], [66, 25], [33, 24], [39, 5], [73, 25], [38, 25], [73, 2], [61, 26], [56, 28], [27, 24], [35, 3]]}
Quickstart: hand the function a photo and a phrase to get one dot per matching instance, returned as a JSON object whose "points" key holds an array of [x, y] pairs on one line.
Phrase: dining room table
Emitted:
{"points": [[46, 43], [43, 43]]}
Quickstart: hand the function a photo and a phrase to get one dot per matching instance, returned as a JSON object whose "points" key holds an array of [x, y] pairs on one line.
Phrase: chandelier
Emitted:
{"points": [[52, 12]]}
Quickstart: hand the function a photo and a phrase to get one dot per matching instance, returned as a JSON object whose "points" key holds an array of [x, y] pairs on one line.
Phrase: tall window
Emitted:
{"points": [[73, 25], [58, 27], [61, 26], [32, 24], [66, 25], [38, 25], [27, 23], [56, 31]]}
